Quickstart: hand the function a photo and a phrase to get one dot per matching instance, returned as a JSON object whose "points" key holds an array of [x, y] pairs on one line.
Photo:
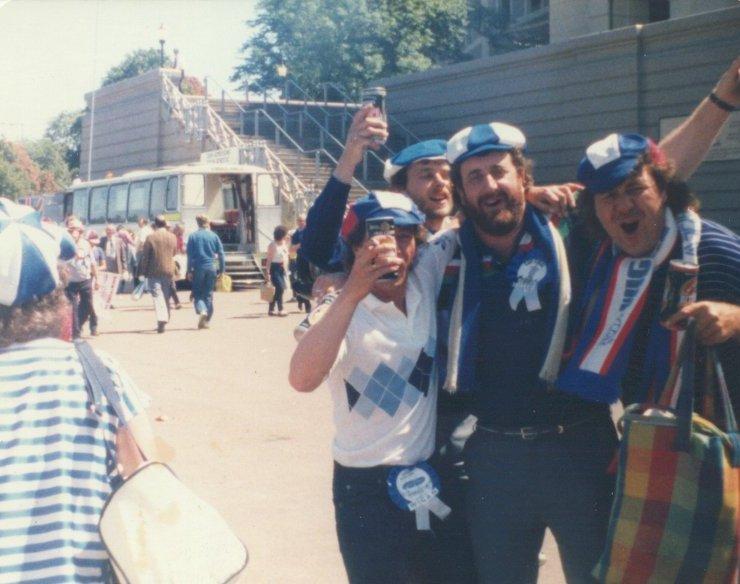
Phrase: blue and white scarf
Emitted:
{"points": [[612, 302], [540, 254]]}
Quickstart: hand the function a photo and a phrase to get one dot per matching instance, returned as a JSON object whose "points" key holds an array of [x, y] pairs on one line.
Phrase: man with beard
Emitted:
{"points": [[537, 458]]}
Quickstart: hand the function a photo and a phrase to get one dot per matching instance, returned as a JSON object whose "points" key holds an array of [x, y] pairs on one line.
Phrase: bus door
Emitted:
{"points": [[268, 212], [243, 190]]}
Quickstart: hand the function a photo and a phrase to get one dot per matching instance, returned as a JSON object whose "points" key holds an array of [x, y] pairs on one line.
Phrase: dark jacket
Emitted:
{"points": [[157, 257]]}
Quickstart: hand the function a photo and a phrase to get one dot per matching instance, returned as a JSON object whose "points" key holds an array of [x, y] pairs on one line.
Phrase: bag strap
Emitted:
{"points": [[729, 414], [685, 404], [98, 380]]}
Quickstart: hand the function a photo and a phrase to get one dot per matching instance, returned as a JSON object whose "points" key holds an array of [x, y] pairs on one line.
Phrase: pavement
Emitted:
{"points": [[242, 438]]}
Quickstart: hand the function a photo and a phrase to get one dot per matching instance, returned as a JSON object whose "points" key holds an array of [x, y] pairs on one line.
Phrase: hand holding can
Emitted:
{"points": [[376, 97]]}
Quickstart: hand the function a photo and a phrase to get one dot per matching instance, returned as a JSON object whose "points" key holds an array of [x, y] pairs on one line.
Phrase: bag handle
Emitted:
{"points": [[685, 404]]}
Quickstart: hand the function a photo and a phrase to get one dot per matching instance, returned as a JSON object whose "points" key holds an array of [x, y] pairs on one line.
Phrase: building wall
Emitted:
{"points": [[132, 129], [566, 95]]}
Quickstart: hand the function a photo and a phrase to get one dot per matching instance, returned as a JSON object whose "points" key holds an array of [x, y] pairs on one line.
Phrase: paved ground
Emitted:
{"points": [[243, 439]]}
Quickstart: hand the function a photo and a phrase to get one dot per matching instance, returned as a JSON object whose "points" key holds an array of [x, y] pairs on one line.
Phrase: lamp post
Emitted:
{"points": [[282, 71], [162, 36]]}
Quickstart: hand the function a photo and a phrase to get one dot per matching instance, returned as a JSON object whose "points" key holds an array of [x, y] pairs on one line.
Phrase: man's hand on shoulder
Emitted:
{"points": [[554, 199]]}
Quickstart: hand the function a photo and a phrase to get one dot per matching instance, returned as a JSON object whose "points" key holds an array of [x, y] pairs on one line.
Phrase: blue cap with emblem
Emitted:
{"points": [[426, 150], [609, 161], [403, 210], [28, 255], [476, 140]]}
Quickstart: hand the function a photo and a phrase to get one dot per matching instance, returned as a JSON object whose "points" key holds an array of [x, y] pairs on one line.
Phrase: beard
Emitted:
{"points": [[499, 222]]}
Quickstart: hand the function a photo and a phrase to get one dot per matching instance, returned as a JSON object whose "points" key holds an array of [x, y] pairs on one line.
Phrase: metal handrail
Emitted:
{"points": [[323, 131], [283, 132], [391, 118]]}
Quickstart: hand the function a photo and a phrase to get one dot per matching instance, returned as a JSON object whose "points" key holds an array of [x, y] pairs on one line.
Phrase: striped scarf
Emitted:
{"points": [[612, 302]]}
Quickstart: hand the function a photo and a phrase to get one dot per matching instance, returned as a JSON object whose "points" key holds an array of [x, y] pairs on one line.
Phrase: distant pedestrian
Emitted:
{"points": [[277, 269], [158, 267], [300, 278], [145, 230], [204, 248], [82, 281]]}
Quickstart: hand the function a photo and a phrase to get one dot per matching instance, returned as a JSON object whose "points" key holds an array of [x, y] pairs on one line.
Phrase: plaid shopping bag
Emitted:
{"points": [[676, 508]]}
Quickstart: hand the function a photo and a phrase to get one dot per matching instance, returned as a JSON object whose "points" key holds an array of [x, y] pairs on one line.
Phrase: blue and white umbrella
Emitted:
{"points": [[28, 255]]}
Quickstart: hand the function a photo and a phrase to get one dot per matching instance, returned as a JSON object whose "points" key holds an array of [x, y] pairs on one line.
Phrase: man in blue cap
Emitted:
{"points": [[645, 219], [374, 347]]}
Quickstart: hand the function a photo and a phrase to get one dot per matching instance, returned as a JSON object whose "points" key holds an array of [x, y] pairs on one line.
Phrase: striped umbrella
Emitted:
{"points": [[28, 255]]}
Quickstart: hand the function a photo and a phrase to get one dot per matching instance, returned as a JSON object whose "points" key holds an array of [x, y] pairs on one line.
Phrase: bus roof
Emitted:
{"points": [[195, 168]]}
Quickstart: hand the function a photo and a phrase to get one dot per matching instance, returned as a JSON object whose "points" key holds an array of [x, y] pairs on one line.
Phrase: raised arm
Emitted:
{"points": [[325, 216], [319, 347], [688, 144]]}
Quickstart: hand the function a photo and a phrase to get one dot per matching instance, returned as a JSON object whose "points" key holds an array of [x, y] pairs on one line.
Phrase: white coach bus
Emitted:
{"points": [[242, 201]]}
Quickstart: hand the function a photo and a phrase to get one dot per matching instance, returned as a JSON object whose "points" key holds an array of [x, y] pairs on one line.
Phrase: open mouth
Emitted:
{"points": [[629, 227]]}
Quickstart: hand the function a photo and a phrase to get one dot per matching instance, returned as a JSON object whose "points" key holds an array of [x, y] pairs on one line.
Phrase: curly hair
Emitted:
{"points": [[33, 320], [679, 196], [519, 161]]}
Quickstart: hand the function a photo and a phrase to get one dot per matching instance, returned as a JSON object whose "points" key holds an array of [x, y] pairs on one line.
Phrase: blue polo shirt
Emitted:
{"points": [[512, 345]]}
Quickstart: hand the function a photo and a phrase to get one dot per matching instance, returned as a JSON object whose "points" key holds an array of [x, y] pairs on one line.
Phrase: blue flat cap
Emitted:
{"points": [[400, 208], [28, 255], [426, 150], [609, 161], [476, 140]]}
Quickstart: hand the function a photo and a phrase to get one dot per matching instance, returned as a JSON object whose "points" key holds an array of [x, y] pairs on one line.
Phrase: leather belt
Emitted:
{"points": [[531, 432]]}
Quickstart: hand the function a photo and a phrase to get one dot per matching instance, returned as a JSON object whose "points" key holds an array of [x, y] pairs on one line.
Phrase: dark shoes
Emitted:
{"points": [[203, 321], [160, 327]]}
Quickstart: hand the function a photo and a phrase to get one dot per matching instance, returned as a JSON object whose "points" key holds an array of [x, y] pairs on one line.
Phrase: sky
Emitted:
{"points": [[49, 59]]}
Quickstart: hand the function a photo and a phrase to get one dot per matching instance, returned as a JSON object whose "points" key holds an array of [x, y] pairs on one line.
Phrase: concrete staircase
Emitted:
{"points": [[243, 268], [303, 154]]}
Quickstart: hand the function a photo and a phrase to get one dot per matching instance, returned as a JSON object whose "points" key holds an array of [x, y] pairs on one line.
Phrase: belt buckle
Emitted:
{"points": [[528, 433]]}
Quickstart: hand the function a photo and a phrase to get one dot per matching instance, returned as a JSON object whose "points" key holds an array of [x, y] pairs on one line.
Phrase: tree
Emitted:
{"points": [[49, 157], [349, 42], [14, 183], [65, 131], [135, 63]]}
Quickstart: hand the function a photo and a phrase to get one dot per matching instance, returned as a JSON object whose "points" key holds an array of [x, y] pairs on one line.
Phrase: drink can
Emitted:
{"points": [[680, 287], [382, 226], [376, 97]]}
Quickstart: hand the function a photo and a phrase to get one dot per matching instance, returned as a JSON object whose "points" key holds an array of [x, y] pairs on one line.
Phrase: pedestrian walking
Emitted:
{"points": [[158, 267], [61, 458], [81, 281], [277, 269], [204, 249]]}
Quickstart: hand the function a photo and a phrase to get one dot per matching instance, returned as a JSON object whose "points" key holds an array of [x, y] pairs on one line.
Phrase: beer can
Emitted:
{"points": [[376, 97], [680, 287]]}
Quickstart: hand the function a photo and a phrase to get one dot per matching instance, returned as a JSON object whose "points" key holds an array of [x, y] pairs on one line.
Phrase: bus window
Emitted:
{"points": [[79, 204], [117, 203], [138, 200], [266, 195], [159, 191], [98, 204], [193, 190], [173, 194]]}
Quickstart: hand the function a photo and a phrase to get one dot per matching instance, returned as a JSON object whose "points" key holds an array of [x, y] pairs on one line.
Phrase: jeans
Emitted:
{"points": [[277, 277], [161, 289], [203, 282], [518, 488], [80, 296], [379, 542]]}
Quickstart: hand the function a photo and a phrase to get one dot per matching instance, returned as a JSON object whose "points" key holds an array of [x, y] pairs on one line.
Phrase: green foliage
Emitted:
{"points": [[65, 131], [135, 63], [14, 183], [50, 157], [349, 42]]}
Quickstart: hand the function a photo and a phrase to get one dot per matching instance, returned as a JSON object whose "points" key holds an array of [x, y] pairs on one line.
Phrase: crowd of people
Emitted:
{"points": [[475, 383], [473, 328]]}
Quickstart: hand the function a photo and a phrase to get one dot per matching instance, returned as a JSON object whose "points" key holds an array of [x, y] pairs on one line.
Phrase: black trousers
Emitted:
{"points": [[80, 296], [517, 488]]}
